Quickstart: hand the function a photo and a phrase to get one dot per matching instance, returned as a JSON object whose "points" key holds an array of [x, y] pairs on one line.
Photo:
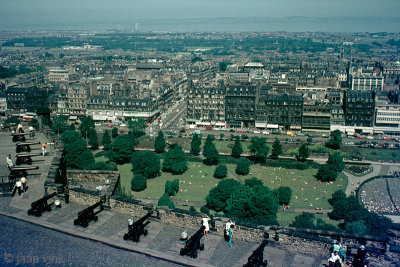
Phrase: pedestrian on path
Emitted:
{"points": [[9, 162], [24, 184], [18, 187], [44, 146], [230, 233]]}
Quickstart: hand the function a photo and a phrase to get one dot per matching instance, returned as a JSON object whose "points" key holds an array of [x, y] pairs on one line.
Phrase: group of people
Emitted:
{"points": [[20, 186], [228, 234], [338, 257]]}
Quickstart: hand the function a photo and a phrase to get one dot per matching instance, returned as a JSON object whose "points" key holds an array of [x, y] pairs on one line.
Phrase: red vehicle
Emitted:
{"points": [[386, 138], [110, 125], [208, 127]]}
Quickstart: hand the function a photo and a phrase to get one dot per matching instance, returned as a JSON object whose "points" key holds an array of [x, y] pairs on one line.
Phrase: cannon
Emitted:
{"points": [[25, 147], [41, 205], [19, 136], [87, 215], [137, 229], [25, 158], [18, 172], [193, 244], [257, 257]]}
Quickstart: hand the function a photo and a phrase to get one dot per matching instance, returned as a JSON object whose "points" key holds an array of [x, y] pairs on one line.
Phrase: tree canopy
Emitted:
{"points": [[159, 143], [326, 173], [86, 125], [77, 155], [121, 149], [166, 201], [243, 166], [276, 149], [221, 171], [137, 126], [195, 144], [93, 139], [138, 182], [175, 160], [210, 152], [259, 149], [59, 124], [106, 139], [304, 152], [146, 163], [335, 140], [70, 136], [218, 196], [237, 148], [336, 160]]}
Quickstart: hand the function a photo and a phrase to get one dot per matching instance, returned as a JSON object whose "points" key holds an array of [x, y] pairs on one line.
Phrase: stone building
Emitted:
{"points": [[316, 115], [359, 108], [77, 94], [240, 105]]}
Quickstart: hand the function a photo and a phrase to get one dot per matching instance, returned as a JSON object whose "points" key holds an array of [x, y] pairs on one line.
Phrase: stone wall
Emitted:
{"points": [[83, 197], [129, 208]]}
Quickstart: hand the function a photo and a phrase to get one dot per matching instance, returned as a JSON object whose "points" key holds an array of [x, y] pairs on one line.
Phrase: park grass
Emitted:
{"points": [[316, 149], [375, 153], [195, 188], [308, 193]]}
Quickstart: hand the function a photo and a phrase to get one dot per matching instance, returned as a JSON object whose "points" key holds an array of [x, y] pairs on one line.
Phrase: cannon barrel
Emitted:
{"points": [[256, 259], [28, 155], [19, 134], [27, 168], [141, 220], [91, 208], [28, 144], [193, 244], [43, 199], [138, 228]]}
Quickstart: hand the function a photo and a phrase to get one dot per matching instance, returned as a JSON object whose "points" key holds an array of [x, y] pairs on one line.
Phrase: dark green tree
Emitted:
{"points": [[284, 195], [254, 204], [326, 173], [77, 155], [192, 209], [175, 160], [218, 196], [195, 144], [253, 181], [259, 149], [172, 187], [210, 152], [304, 220], [243, 166], [120, 150], [336, 160], [335, 140], [159, 143], [93, 139], [86, 125], [276, 149], [356, 228], [70, 136], [146, 163], [106, 139], [237, 148], [166, 201], [137, 126], [59, 124], [71, 127], [309, 140], [220, 172], [12, 119], [114, 132], [221, 136], [205, 210], [304, 152], [102, 166], [138, 182]]}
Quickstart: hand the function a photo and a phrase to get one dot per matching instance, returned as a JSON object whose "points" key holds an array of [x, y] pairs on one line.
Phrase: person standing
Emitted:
{"points": [[24, 184], [227, 227], [206, 225], [32, 131], [9, 162], [18, 187], [230, 233], [19, 128], [44, 146], [335, 259], [66, 194]]}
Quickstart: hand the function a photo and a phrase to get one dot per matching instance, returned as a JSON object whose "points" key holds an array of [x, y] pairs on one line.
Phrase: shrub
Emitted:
{"points": [[172, 187], [166, 201], [243, 166], [138, 182], [192, 209], [221, 172], [205, 210]]}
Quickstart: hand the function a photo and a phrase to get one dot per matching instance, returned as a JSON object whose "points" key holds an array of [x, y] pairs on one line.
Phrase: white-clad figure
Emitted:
{"points": [[206, 225], [18, 186], [24, 186]]}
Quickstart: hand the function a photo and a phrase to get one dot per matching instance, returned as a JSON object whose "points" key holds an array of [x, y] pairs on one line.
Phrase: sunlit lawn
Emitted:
{"points": [[308, 193], [197, 181]]}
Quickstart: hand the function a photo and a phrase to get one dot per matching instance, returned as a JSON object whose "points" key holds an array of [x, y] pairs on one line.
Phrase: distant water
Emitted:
{"points": [[249, 24]]}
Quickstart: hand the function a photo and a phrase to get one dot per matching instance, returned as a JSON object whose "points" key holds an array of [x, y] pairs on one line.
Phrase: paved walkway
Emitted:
{"points": [[161, 242]]}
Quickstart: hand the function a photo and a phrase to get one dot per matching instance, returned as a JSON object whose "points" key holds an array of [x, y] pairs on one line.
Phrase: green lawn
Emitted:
{"points": [[375, 153], [315, 149], [307, 191], [197, 181]]}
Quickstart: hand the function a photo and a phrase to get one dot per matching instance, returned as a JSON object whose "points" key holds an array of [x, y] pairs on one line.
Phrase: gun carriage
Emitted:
{"points": [[87, 215], [25, 147], [193, 244], [41, 205], [257, 257], [25, 158], [138, 228]]}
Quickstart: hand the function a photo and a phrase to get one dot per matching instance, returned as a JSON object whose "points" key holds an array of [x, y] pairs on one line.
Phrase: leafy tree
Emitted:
{"points": [[166, 201], [304, 220], [245, 137], [276, 149], [221, 171], [87, 124], [195, 144], [104, 166], [93, 139], [138, 182], [259, 149], [210, 152], [192, 209], [309, 140], [218, 196], [243, 166], [175, 160], [205, 210], [114, 132], [70, 136], [237, 148], [71, 127], [335, 140], [12, 119], [59, 124], [254, 204], [120, 150], [34, 123], [159, 143], [146, 163], [304, 152], [106, 139], [172, 187], [253, 181], [77, 155], [326, 173], [285, 195], [137, 126], [356, 228], [336, 160]]}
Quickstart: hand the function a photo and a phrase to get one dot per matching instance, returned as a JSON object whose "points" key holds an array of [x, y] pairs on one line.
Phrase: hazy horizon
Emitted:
{"points": [[153, 15]]}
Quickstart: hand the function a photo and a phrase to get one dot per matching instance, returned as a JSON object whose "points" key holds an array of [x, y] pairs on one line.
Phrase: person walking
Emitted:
{"points": [[24, 184], [9, 162], [230, 233], [18, 187], [44, 146], [32, 131], [206, 225]]}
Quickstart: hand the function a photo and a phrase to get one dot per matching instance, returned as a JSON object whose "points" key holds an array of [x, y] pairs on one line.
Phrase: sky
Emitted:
{"points": [[28, 13]]}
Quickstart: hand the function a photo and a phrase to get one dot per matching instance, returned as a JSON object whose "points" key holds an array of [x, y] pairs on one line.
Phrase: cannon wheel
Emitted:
{"points": [[76, 222], [95, 218], [126, 236], [18, 161], [30, 212], [145, 232], [202, 247], [182, 252]]}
